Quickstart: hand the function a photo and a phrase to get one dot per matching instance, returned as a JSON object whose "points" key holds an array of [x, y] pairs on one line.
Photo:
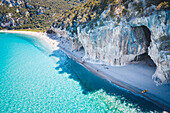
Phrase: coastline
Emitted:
{"points": [[156, 94], [42, 36], [136, 90]]}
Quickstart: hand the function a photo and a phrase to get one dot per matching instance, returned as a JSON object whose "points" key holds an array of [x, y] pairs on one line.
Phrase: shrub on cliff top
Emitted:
{"points": [[162, 5], [91, 10], [33, 18]]}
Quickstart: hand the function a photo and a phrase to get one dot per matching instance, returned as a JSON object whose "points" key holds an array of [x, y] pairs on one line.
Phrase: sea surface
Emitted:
{"points": [[35, 79]]}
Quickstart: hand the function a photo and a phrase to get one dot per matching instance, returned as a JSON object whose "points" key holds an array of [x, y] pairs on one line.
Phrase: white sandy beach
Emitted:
{"points": [[135, 77], [42, 36]]}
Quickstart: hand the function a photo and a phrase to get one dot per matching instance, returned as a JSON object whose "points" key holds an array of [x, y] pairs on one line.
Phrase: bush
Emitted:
{"points": [[1, 28], [28, 17], [162, 5]]}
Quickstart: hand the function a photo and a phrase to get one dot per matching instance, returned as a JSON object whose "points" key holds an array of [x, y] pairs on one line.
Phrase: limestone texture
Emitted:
{"points": [[124, 33]]}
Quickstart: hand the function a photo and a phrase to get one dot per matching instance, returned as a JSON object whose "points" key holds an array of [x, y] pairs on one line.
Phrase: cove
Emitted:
{"points": [[33, 79]]}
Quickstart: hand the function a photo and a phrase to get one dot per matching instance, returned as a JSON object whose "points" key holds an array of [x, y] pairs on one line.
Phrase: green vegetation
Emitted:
{"points": [[86, 12], [40, 14], [162, 5], [35, 14], [33, 30]]}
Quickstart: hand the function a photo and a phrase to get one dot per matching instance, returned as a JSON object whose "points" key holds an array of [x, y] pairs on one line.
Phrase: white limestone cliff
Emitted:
{"points": [[120, 40]]}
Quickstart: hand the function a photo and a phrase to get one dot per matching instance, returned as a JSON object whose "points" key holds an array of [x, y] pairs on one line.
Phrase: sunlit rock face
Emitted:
{"points": [[120, 44], [120, 40], [158, 50], [115, 45]]}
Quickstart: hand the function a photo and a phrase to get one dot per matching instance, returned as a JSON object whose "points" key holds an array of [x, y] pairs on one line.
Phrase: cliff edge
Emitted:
{"points": [[118, 32]]}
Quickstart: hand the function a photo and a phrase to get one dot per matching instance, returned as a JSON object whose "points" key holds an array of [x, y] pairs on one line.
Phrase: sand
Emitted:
{"points": [[135, 77], [43, 36]]}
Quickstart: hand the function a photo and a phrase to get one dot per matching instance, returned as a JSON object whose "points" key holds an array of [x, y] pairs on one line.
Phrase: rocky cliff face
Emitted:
{"points": [[124, 32]]}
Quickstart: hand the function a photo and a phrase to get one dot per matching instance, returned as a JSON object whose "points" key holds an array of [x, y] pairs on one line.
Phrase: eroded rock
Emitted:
{"points": [[136, 29]]}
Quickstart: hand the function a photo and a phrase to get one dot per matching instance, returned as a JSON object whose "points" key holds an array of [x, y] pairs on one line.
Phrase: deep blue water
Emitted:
{"points": [[33, 79]]}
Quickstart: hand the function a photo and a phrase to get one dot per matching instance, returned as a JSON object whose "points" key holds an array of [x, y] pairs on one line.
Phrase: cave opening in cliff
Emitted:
{"points": [[81, 48], [82, 51], [142, 33]]}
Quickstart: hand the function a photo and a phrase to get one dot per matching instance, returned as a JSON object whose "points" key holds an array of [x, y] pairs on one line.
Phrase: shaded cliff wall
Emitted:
{"points": [[118, 41]]}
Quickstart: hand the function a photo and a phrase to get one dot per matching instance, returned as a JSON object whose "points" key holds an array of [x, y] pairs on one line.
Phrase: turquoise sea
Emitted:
{"points": [[34, 79]]}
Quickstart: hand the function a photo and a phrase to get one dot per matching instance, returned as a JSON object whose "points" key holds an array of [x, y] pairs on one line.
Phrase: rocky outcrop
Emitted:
{"points": [[124, 32], [158, 50]]}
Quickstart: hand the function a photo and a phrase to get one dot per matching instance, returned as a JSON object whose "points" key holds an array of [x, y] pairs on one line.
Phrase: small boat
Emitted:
{"points": [[144, 91]]}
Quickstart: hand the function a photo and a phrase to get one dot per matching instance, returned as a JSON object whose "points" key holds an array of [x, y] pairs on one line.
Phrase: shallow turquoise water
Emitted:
{"points": [[34, 80]]}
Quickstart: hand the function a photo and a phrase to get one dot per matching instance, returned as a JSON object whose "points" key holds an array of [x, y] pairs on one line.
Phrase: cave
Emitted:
{"points": [[50, 32], [142, 33], [80, 50]]}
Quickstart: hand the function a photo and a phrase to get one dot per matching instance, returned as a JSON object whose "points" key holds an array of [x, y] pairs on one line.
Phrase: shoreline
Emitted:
{"points": [[159, 98], [40, 35], [155, 100]]}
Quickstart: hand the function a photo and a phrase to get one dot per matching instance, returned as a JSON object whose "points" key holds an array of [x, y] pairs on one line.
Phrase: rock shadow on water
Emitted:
{"points": [[91, 83]]}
